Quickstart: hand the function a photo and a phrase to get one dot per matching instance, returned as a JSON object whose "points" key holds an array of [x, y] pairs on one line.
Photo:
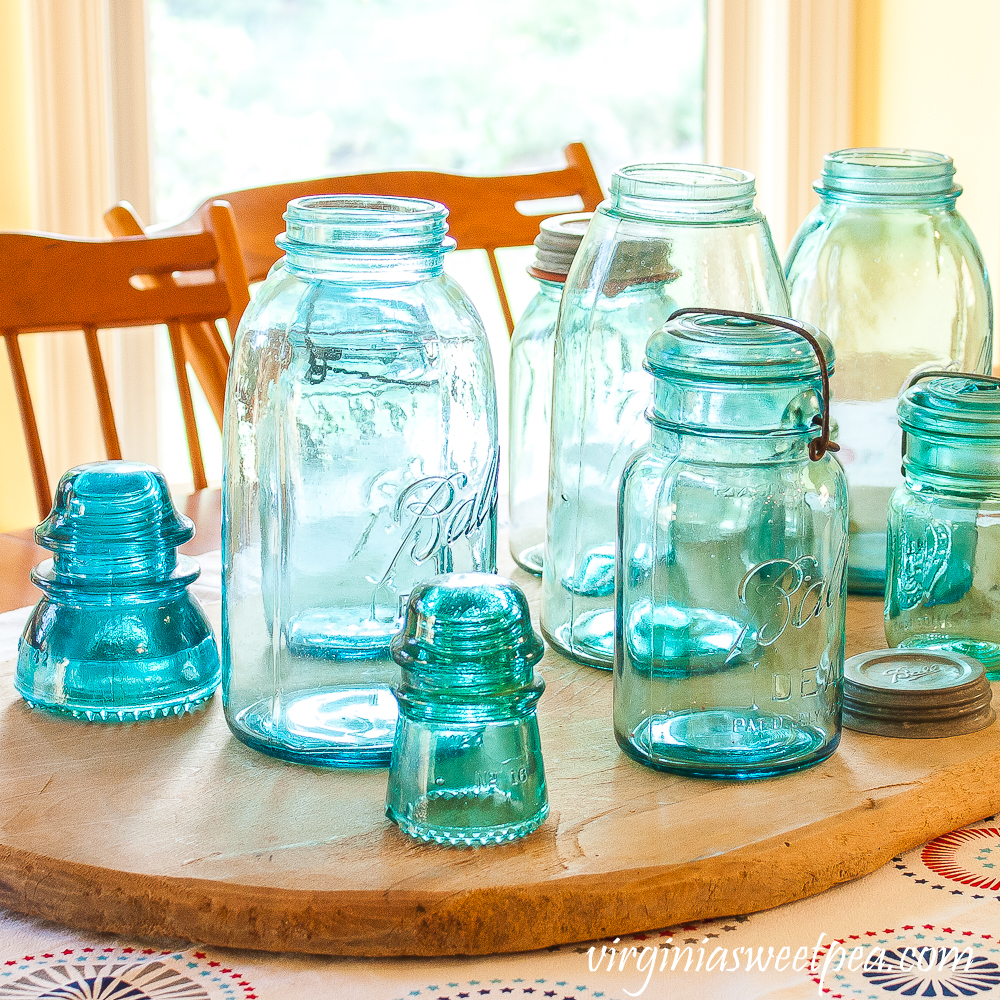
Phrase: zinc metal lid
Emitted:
{"points": [[917, 693], [556, 245]]}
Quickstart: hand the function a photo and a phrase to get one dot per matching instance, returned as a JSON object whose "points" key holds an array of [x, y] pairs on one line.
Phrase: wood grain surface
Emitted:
{"points": [[174, 828]]}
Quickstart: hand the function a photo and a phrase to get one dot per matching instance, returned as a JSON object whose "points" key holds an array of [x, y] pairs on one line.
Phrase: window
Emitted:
{"points": [[250, 92], [778, 93]]}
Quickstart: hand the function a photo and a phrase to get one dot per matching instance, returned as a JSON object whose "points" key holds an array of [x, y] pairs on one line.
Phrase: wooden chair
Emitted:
{"points": [[484, 212], [204, 348], [56, 283]]}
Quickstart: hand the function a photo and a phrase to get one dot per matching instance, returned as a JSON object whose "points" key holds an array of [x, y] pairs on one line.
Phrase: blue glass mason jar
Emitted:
{"points": [[670, 235], [732, 548], [531, 388], [892, 273], [943, 564], [360, 459]]}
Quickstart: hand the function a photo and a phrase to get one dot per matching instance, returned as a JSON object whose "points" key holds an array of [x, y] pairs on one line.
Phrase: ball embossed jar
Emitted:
{"points": [[360, 459], [943, 565], [732, 549]]}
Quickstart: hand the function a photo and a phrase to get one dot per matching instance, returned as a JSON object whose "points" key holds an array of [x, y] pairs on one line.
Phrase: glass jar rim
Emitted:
{"points": [[362, 207], [666, 190], [888, 173], [349, 223]]}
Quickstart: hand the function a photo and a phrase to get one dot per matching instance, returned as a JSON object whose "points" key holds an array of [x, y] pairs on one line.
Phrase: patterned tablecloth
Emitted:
{"points": [[925, 925]]}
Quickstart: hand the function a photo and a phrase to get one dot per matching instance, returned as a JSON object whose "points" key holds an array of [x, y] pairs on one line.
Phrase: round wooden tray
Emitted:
{"points": [[174, 828]]}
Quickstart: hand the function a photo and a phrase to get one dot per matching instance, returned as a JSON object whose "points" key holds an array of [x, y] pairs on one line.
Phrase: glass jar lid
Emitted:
{"points": [[917, 693], [959, 405], [735, 373], [719, 346], [951, 430], [888, 175]]}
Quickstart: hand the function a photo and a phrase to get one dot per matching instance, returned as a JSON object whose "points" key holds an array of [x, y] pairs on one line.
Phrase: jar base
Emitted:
{"points": [[727, 743], [456, 802], [530, 559], [866, 563], [329, 727], [590, 639], [987, 653]]}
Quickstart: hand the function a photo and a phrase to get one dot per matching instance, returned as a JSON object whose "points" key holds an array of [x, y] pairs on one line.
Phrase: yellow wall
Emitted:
{"points": [[17, 506], [926, 77]]}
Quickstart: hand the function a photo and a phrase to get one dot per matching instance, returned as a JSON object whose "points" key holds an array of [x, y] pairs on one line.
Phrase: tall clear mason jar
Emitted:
{"points": [[732, 533], [671, 234], [891, 272], [360, 459], [943, 567], [531, 388]]}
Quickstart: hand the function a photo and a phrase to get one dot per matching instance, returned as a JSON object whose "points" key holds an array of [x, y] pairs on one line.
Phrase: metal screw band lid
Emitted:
{"points": [[556, 245], [916, 693]]}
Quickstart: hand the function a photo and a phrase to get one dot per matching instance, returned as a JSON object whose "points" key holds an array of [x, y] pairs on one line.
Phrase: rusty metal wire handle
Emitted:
{"points": [[933, 373], [818, 447]]}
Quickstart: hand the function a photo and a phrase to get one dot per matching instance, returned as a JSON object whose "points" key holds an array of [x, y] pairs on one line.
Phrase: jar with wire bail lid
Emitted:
{"points": [[943, 560], [732, 547], [531, 387]]}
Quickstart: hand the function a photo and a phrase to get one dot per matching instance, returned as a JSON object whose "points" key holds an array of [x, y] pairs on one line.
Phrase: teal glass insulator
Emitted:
{"points": [[732, 552], [670, 235], [888, 268], [943, 560], [360, 459], [531, 388], [116, 636], [467, 763]]}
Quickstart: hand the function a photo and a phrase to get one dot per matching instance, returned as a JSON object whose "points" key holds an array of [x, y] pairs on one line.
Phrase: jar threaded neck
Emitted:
{"points": [[683, 192], [327, 235], [883, 174]]}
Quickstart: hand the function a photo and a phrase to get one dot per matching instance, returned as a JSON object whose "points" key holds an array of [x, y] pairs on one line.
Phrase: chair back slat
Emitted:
{"points": [[112, 445], [187, 406], [483, 211], [94, 282], [206, 352], [53, 283], [36, 458]]}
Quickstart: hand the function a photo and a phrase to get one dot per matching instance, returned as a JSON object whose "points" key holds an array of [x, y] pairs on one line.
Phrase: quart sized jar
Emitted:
{"points": [[943, 564], [732, 527], [361, 459], [531, 387], [467, 762], [671, 234], [116, 636], [890, 270]]}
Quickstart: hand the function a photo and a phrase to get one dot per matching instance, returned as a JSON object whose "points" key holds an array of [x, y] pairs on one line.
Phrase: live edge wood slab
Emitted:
{"points": [[175, 829]]}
